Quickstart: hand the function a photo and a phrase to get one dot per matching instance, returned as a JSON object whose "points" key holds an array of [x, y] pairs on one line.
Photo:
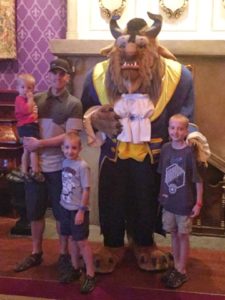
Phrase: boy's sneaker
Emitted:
{"points": [[177, 280], [64, 261], [88, 284], [168, 275], [65, 269], [70, 276]]}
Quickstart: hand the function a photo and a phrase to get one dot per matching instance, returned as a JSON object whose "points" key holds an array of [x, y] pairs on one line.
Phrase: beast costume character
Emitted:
{"points": [[128, 181]]}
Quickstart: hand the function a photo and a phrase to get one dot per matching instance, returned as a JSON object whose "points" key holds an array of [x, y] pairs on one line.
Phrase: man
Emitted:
{"points": [[59, 112]]}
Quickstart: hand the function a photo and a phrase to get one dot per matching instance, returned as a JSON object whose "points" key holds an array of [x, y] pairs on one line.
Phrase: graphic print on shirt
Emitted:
{"points": [[174, 178], [68, 184]]}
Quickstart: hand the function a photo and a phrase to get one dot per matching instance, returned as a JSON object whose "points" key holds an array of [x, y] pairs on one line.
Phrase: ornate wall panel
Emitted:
{"points": [[180, 17], [7, 29], [198, 20], [38, 21], [218, 15]]}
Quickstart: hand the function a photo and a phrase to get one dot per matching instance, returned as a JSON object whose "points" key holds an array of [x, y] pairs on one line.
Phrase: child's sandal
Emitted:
{"points": [[26, 177], [29, 262]]}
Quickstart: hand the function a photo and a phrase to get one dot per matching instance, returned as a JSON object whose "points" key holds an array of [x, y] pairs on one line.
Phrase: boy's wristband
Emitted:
{"points": [[199, 204], [83, 208]]}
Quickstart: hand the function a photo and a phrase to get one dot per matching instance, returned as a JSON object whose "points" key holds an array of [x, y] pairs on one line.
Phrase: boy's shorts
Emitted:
{"points": [[68, 227], [176, 223], [39, 195]]}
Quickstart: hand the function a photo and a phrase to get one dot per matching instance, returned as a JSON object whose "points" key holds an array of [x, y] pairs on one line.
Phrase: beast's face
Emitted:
{"points": [[136, 58], [134, 67], [134, 64], [132, 54]]}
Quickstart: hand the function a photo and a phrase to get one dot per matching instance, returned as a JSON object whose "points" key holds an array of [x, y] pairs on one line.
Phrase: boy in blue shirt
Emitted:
{"points": [[181, 192]]}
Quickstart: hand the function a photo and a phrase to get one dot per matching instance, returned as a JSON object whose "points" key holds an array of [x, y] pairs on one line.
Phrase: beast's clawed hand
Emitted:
{"points": [[107, 121]]}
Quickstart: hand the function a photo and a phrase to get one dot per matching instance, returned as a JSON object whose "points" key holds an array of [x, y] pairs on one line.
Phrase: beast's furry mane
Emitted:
{"points": [[150, 72]]}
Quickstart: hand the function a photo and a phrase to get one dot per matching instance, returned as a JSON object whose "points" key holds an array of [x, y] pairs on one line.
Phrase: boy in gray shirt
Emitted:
{"points": [[74, 202]]}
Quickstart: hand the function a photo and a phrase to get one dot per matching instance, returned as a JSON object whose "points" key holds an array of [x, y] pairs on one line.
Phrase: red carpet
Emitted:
{"points": [[54, 290], [206, 269]]}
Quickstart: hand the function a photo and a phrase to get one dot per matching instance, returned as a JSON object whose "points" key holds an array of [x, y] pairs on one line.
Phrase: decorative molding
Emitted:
{"points": [[218, 15], [173, 14], [96, 25], [223, 3], [186, 23], [197, 22], [115, 13], [71, 32], [92, 47]]}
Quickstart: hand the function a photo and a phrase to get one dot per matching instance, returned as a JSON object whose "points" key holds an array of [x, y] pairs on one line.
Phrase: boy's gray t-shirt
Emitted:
{"points": [[179, 175], [75, 178]]}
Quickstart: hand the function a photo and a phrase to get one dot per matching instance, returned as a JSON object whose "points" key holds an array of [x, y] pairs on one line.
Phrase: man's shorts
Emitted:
{"points": [[39, 195], [69, 228], [176, 223]]}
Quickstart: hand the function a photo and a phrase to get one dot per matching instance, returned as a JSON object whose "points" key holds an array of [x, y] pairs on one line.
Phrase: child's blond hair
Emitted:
{"points": [[180, 118], [72, 135], [27, 78]]}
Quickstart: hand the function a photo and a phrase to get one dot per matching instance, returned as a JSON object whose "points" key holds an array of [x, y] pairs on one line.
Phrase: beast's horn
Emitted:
{"points": [[156, 26], [115, 29]]}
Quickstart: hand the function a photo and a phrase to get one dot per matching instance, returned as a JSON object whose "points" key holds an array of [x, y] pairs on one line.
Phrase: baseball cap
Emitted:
{"points": [[60, 64]]}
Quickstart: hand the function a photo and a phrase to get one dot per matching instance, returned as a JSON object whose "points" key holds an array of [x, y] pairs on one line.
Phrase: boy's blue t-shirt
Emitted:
{"points": [[179, 176]]}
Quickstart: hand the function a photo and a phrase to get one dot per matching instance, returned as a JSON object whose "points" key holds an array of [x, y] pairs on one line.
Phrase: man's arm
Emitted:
{"points": [[33, 144]]}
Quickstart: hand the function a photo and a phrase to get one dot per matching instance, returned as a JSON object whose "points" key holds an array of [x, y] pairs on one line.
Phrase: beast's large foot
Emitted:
{"points": [[106, 258], [153, 259]]}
